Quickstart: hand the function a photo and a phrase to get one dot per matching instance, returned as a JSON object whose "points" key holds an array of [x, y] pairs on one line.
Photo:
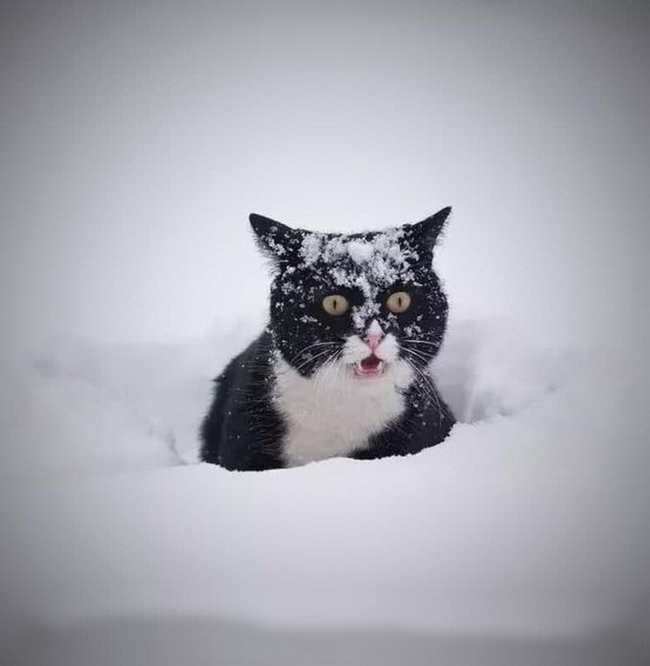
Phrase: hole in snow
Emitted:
{"points": [[121, 407], [485, 369]]}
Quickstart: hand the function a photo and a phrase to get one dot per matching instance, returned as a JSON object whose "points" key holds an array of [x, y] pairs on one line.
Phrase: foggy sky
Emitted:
{"points": [[137, 137]]}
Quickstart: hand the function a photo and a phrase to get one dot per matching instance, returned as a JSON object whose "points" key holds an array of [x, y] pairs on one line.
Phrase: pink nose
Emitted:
{"points": [[373, 340]]}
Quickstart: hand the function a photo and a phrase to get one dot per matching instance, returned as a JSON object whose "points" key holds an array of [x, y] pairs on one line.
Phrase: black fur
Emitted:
{"points": [[243, 430]]}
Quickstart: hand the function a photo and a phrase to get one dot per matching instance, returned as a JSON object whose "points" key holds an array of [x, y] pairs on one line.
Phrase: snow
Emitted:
{"points": [[527, 524], [360, 251], [311, 248]]}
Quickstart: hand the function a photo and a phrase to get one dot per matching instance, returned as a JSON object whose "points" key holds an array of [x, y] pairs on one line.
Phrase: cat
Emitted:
{"points": [[342, 368]]}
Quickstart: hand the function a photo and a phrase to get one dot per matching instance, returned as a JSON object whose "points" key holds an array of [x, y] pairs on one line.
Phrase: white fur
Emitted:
{"points": [[333, 413]]}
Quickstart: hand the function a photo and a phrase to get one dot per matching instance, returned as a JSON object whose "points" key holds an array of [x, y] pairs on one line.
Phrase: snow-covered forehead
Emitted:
{"points": [[369, 263], [382, 258]]}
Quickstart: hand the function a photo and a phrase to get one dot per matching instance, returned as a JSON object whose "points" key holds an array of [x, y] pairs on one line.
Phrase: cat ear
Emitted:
{"points": [[276, 240], [427, 232]]}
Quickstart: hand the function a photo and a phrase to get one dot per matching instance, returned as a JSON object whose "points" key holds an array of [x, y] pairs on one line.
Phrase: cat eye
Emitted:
{"points": [[335, 305], [399, 302]]}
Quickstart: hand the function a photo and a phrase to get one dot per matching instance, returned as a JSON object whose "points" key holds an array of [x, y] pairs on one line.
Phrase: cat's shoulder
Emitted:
{"points": [[255, 357]]}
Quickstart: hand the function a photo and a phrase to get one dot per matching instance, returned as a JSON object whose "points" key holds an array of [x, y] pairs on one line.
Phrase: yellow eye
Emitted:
{"points": [[399, 302], [335, 305]]}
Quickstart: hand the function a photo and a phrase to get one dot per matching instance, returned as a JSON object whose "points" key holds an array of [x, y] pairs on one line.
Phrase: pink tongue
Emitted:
{"points": [[370, 363]]}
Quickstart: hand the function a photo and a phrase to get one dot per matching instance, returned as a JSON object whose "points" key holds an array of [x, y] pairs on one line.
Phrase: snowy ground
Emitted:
{"points": [[521, 539]]}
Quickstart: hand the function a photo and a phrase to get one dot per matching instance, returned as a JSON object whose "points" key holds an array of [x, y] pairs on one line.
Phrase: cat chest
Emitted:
{"points": [[327, 420]]}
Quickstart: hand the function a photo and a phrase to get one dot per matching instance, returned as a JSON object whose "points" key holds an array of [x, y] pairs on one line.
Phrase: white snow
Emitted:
{"points": [[360, 252], [311, 248], [528, 524]]}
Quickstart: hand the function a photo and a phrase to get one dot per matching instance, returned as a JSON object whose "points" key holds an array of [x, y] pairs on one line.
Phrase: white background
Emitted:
{"points": [[137, 138]]}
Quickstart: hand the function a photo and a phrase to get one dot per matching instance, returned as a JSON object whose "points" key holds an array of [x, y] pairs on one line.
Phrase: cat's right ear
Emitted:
{"points": [[276, 240]]}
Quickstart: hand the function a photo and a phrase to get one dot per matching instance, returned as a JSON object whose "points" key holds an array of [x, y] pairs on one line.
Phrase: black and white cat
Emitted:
{"points": [[342, 367]]}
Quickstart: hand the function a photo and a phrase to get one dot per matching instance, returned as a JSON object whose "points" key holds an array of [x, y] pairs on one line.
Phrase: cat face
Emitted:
{"points": [[368, 306]]}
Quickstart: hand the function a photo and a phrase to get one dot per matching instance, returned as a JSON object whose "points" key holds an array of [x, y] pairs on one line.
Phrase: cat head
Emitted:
{"points": [[368, 305]]}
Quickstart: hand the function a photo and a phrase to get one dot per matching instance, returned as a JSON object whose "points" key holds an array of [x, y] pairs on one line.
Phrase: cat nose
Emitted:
{"points": [[373, 340], [374, 335]]}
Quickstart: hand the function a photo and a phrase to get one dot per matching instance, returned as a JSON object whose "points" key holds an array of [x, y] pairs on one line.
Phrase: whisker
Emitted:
{"points": [[416, 354], [427, 389], [312, 346], [311, 358], [326, 368], [420, 342]]}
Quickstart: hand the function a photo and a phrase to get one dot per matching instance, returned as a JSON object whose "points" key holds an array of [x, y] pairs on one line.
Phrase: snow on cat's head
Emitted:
{"points": [[368, 302]]}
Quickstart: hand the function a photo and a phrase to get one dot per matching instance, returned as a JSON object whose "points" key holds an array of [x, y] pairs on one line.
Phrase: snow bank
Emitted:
{"points": [[525, 533]]}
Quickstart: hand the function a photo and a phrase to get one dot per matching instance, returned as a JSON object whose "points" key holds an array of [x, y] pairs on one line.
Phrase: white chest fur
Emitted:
{"points": [[333, 414]]}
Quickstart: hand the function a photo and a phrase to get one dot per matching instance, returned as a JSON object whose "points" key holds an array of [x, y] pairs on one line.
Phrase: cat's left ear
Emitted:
{"points": [[276, 240], [426, 233]]}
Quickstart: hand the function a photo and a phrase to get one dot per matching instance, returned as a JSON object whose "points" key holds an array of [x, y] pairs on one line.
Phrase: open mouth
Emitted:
{"points": [[369, 367]]}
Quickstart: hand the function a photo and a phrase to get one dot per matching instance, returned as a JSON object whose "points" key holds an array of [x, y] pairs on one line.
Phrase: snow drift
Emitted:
{"points": [[522, 537]]}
